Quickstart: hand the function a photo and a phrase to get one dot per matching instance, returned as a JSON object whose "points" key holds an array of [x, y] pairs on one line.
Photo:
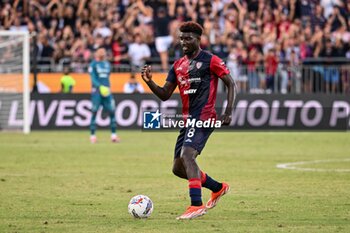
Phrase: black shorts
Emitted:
{"points": [[192, 137]]}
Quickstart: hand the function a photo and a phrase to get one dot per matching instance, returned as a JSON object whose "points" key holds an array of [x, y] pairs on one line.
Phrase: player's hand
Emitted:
{"points": [[104, 91], [146, 73], [226, 119]]}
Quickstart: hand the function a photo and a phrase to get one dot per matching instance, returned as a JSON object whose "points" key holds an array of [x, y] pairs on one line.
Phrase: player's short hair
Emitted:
{"points": [[191, 27]]}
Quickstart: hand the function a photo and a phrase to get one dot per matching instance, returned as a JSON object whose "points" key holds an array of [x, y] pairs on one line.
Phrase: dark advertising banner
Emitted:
{"points": [[252, 112], [291, 112]]}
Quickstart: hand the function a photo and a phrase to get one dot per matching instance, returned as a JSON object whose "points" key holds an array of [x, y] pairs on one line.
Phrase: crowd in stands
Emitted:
{"points": [[262, 41]]}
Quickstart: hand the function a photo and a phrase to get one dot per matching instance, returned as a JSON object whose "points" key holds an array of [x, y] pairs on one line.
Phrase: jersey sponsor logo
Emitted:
{"points": [[102, 71], [195, 80], [178, 68], [183, 82], [190, 91]]}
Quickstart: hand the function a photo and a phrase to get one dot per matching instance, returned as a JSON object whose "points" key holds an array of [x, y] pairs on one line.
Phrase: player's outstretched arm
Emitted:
{"points": [[164, 92], [231, 96]]}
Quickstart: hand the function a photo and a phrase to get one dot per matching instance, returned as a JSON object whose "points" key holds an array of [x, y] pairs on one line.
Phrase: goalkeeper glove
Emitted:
{"points": [[104, 91]]}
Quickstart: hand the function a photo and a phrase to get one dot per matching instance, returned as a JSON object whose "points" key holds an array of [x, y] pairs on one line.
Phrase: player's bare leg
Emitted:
{"points": [[179, 169], [188, 157]]}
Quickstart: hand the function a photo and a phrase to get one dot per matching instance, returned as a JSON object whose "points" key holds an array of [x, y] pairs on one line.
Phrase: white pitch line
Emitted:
{"points": [[293, 166]]}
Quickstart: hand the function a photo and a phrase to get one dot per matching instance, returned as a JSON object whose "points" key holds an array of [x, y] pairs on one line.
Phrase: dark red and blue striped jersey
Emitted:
{"points": [[197, 80]]}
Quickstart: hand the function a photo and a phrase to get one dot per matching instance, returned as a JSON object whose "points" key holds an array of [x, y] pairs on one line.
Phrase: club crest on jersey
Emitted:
{"points": [[183, 81], [199, 65]]}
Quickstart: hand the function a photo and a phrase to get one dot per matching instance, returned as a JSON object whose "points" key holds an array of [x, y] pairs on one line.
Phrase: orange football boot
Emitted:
{"points": [[193, 212], [215, 197]]}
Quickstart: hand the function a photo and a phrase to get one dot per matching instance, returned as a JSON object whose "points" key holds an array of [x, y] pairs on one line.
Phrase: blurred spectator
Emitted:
{"points": [[270, 69], [45, 50], [328, 6], [163, 39], [101, 29], [138, 53], [119, 50], [80, 56], [252, 62], [295, 73], [233, 66], [331, 73], [133, 86]]}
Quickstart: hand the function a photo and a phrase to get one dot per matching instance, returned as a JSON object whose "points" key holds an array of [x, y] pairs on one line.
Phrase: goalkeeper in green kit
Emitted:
{"points": [[99, 70]]}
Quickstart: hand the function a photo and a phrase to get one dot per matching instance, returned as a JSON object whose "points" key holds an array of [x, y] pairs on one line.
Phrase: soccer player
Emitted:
{"points": [[196, 74], [67, 82], [100, 70]]}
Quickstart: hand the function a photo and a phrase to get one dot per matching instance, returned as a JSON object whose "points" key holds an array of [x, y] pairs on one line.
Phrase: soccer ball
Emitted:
{"points": [[140, 206]]}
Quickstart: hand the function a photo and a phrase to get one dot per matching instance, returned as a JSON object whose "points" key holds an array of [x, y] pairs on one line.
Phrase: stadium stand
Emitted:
{"points": [[286, 46]]}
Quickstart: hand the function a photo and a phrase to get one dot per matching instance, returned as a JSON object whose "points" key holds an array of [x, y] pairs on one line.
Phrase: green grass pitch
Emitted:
{"points": [[59, 182]]}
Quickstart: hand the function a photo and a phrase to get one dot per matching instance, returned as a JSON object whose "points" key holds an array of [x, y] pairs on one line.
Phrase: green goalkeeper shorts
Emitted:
{"points": [[107, 102]]}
